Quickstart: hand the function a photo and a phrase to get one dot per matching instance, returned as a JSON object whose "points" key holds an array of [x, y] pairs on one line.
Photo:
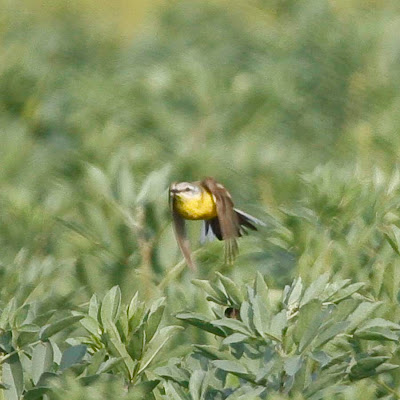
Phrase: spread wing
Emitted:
{"points": [[180, 233], [227, 217]]}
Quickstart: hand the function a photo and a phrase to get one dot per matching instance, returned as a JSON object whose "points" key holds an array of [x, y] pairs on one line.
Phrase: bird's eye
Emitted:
{"points": [[187, 189]]}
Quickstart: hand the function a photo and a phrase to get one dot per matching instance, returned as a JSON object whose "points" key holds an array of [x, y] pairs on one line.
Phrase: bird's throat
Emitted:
{"points": [[201, 207]]}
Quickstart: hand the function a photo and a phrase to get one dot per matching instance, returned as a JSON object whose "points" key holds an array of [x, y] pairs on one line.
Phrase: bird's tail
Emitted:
{"points": [[212, 230], [248, 221]]}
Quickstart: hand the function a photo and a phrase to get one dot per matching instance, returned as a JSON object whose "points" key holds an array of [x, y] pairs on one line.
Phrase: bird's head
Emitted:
{"points": [[185, 190]]}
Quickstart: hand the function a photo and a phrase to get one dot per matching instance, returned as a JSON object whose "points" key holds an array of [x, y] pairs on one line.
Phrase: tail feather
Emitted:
{"points": [[212, 230], [248, 220]]}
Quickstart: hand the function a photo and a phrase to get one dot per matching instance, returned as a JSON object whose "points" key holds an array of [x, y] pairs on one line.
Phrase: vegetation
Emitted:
{"points": [[293, 106]]}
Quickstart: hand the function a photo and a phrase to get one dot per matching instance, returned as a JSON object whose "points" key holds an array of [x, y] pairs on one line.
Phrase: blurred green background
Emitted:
{"points": [[293, 105]]}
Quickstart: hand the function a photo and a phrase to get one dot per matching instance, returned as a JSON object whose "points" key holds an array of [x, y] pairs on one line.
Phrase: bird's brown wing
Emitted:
{"points": [[227, 217], [180, 234]]}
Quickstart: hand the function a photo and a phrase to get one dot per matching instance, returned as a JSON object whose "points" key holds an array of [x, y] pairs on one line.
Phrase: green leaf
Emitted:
{"points": [[265, 371], [230, 366], [292, 365], [348, 291], [261, 315], [261, 289], [361, 313], [42, 360], [143, 389], [135, 313], [201, 322], [380, 323], [45, 379], [334, 287], [392, 235], [122, 326], [246, 393], [174, 392], [376, 333], [234, 368], [95, 361], [295, 292], [57, 352], [309, 321], [110, 306], [125, 185], [176, 373], [277, 325], [154, 317], [6, 314], [136, 344], [198, 385], [6, 341], [154, 184], [88, 380], [330, 390], [109, 365], [317, 389], [119, 350], [343, 310], [216, 295], [36, 393], [231, 289], [232, 324], [394, 182], [98, 181], [391, 280], [94, 307], [156, 344], [315, 290], [212, 353], [340, 359], [29, 328], [313, 327], [133, 305], [386, 367], [247, 315], [91, 325], [21, 315], [235, 338], [366, 367], [13, 377], [330, 333], [321, 357], [73, 355], [51, 329]]}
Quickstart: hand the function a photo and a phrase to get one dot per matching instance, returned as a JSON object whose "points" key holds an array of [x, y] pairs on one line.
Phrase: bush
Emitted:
{"points": [[293, 106]]}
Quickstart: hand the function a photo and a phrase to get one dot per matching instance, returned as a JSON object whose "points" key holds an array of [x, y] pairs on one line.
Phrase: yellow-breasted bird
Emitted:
{"points": [[208, 200]]}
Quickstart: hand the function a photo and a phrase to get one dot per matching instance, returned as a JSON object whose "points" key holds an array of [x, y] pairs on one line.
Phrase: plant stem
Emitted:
{"points": [[389, 389]]}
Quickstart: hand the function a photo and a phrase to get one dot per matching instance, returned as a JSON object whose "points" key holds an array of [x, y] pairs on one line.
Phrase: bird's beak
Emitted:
{"points": [[172, 189]]}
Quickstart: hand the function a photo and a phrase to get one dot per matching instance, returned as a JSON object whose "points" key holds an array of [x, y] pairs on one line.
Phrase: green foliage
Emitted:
{"points": [[122, 340], [29, 356], [293, 105], [125, 339], [316, 341]]}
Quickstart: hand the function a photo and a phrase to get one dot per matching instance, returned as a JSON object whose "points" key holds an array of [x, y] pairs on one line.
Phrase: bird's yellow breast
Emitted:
{"points": [[201, 207]]}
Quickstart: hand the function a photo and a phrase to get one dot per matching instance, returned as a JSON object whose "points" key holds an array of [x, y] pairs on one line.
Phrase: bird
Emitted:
{"points": [[211, 202]]}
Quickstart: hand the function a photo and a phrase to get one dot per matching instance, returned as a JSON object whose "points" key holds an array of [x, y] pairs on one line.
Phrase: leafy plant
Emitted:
{"points": [[293, 105], [318, 340], [29, 356], [125, 339]]}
